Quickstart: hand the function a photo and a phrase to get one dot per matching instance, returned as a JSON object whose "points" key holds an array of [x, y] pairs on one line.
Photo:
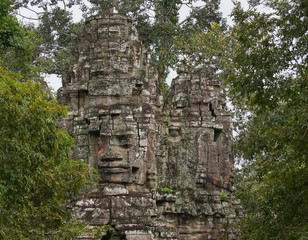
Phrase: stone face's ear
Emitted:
{"points": [[103, 142], [151, 179]]}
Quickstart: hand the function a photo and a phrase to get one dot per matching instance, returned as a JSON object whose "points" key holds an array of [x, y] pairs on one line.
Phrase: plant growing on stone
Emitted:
{"points": [[224, 196], [108, 228], [166, 122], [167, 190]]}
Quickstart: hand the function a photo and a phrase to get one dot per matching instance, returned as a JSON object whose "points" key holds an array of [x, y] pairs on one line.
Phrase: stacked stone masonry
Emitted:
{"points": [[165, 163]]}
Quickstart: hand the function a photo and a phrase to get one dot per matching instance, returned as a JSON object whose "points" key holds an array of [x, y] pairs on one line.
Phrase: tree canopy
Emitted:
{"points": [[267, 83], [37, 177], [157, 22], [16, 42]]}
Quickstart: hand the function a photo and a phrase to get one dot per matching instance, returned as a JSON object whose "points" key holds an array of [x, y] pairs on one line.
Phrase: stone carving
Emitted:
{"points": [[165, 165]]}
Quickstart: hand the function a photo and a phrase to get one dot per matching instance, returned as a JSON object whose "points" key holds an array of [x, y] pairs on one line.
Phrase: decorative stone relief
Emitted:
{"points": [[165, 165]]}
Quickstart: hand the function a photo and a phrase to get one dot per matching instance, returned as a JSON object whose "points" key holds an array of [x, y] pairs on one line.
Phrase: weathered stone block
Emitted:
{"points": [[163, 161]]}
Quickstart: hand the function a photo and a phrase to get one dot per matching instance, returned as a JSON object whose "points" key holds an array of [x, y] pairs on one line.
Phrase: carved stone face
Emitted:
{"points": [[113, 158], [122, 146], [139, 141]]}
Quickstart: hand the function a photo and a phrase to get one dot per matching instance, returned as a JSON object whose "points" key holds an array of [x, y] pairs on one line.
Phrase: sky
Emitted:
{"points": [[226, 6]]}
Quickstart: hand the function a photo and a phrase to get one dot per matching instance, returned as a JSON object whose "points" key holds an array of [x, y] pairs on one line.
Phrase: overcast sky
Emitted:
{"points": [[226, 6]]}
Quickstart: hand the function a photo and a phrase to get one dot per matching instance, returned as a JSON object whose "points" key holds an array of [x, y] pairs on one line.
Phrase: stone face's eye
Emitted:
{"points": [[124, 141], [174, 131]]}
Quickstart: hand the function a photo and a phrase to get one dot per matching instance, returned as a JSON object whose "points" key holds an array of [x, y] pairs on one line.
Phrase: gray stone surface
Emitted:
{"points": [[163, 162]]}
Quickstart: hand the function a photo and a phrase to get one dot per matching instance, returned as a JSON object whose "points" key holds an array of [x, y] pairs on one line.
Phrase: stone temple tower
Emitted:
{"points": [[165, 163]]}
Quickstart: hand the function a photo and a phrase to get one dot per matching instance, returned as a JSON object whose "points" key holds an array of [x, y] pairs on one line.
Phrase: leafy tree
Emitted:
{"points": [[16, 42], [267, 83], [57, 32], [156, 20], [37, 177], [167, 35]]}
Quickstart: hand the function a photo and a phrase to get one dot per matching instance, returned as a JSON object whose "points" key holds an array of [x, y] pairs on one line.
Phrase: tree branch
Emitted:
{"points": [[191, 15], [37, 13], [29, 18], [64, 5]]}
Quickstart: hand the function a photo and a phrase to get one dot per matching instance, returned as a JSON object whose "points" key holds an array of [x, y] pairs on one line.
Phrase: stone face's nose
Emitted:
{"points": [[110, 155], [111, 167]]}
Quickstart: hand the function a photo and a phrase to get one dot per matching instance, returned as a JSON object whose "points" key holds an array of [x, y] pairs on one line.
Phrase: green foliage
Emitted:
{"points": [[273, 50], [167, 122], [46, 46], [57, 33], [201, 49], [197, 42], [224, 195], [157, 22], [37, 177], [16, 42], [267, 83], [167, 190], [108, 228], [9, 26], [96, 232]]}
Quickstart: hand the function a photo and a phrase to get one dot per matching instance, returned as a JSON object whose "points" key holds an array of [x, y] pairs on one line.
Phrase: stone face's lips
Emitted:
{"points": [[108, 158], [114, 170], [113, 164]]}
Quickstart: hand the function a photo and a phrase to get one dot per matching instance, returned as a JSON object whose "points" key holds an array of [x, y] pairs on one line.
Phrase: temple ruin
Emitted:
{"points": [[165, 163]]}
